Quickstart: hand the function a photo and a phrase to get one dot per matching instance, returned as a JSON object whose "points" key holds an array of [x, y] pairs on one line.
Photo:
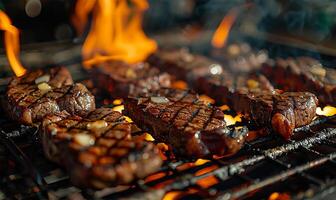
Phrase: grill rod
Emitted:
{"points": [[24, 161]]}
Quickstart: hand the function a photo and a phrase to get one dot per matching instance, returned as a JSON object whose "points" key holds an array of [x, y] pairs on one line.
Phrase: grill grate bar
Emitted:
{"points": [[24, 161], [223, 173], [276, 178]]}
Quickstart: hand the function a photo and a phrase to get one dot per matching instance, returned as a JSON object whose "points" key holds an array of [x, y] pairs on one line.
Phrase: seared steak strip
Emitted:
{"points": [[249, 93], [180, 119], [120, 79], [303, 74], [98, 150], [183, 65], [30, 97]]}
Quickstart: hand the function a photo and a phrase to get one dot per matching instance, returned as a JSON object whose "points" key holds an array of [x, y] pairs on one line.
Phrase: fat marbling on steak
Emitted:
{"points": [[98, 150], [38, 93], [190, 126]]}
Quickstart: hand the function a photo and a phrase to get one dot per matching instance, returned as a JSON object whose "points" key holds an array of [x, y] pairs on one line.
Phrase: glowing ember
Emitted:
{"points": [[11, 40], [232, 120], [326, 111], [279, 196], [207, 181], [179, 85], [206, 170], [201, 161], [116, 31], [117, 101], [222, 33], [118, 108], [206, 99], [149, 137]]}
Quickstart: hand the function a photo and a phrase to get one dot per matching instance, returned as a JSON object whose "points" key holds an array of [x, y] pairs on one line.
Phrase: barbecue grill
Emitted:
{"points": [[266, 168]]}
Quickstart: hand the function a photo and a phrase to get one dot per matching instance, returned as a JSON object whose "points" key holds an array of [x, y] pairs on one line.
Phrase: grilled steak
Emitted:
{"points": [[190, 126], [249, 93], [183, 65], [119, 79], [222, 87], [303, 74], [263, 105], [98, 150], [29, 98]]}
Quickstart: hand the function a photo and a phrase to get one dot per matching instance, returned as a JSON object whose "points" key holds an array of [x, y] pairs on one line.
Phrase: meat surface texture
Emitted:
{"points": [[303, 74], [191, 127], [119, 79], [98, 150], [249, 93], [265, 106], [30, 97]]}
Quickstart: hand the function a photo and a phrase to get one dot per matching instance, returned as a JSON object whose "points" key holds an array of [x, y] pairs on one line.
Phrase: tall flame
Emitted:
{"points": [[222, 32], [12, 45], [116, 31]]}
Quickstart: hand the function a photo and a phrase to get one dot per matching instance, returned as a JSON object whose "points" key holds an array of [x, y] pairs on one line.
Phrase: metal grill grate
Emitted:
{"points": [[302, 168]]}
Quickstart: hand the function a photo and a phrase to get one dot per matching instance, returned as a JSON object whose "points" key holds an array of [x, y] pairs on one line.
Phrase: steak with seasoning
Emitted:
{"points": [[120, 79], [265, 106], [30, 97], [303, 74], [179, 119], [250, 93], [183, 65], [98, 150]]}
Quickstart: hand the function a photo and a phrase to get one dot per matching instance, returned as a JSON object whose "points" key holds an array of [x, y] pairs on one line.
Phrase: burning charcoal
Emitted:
{"points": [[304, 74], [30, 97], [119, 79], [180, 119], [98, 150]]}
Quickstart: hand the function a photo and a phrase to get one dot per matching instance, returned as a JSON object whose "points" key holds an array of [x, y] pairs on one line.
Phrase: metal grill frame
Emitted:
{"points": [[42, 184]]}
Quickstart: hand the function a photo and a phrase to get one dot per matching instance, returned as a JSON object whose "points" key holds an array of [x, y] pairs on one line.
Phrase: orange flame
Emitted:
{"points": [[12, 45], [116, 31], [222, 32]]}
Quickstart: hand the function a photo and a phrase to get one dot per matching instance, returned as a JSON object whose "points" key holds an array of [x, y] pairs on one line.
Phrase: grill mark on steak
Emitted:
{"points": [[191, 127], [120, 79], [249, 93], [26, 103], [303, 74], [97, 155]]}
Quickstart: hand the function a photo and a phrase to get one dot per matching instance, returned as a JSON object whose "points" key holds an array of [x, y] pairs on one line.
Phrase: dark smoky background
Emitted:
{"points": [[270, 24]]}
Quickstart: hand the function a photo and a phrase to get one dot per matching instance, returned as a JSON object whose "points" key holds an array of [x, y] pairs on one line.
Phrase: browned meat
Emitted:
{"points": [[98, 150], [57, 77], [183, 65], [29, 98], [120, 79], [303, 74], [222, 87], [249, 93], [263, 105], [282, 112], [180, 119]]}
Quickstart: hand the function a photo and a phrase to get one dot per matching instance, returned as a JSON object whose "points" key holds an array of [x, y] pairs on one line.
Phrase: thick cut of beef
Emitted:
{"points": [[120, 79], [183, 65], [250, 93], [222, 87], [188, 125], [30, 97], [265, 106], [303, 74], [98, 150]]}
